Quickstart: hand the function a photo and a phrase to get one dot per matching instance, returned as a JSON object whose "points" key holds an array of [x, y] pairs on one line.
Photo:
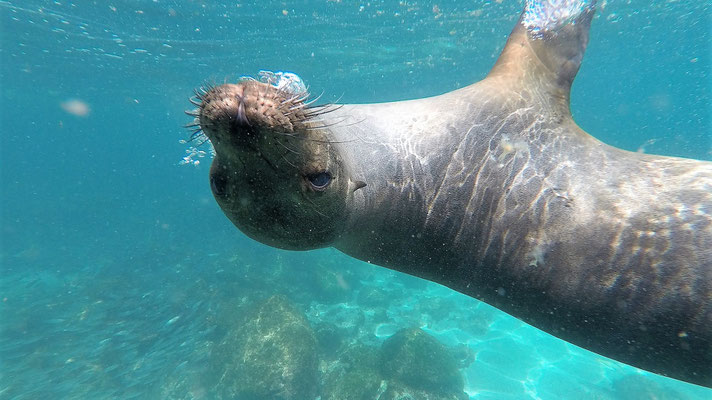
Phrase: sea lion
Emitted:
{"points": [[491, 190]]}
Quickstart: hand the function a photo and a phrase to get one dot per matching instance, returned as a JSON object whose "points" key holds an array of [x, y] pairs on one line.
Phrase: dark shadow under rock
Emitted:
{"points": [[398, 391], [330, 339], [355, 376], [416, 359]]}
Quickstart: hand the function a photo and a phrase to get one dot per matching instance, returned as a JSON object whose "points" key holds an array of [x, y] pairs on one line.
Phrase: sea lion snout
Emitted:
{"points": [[248, 108]]}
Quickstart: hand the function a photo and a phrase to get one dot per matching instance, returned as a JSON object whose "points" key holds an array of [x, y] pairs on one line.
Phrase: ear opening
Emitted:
{"points": [[356, 185]]}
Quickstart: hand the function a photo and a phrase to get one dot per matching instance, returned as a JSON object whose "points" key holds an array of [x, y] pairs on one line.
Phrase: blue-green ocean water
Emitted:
{"points": [[116, 262]]}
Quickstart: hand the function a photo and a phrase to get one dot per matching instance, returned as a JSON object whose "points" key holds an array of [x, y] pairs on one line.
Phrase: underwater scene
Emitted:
{"points": [[121, 278]]}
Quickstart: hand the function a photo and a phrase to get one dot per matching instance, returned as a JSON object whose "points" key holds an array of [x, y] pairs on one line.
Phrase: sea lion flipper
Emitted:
{"points": [[546, 47]]}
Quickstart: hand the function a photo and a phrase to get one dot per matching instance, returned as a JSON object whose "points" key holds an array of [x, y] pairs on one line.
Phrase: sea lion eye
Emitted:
{"points": [[218, 184], [320, 180]]}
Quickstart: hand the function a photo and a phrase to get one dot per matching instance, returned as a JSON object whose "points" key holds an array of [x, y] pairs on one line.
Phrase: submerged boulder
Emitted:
{"points": [[329, 338], [273, 355], [410, 365], [417, 360], [398, 391], [355, 377]]}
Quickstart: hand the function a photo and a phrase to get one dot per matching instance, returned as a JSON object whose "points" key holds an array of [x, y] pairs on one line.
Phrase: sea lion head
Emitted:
{"points": [[276, 174]]}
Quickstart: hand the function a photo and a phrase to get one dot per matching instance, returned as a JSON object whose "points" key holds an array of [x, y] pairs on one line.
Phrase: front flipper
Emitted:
{"points": [[545, 49]]}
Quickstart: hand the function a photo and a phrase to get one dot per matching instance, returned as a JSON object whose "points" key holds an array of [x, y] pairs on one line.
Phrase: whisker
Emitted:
{"points": [[308, 139], [304, 96], [196, 135], [323, 125], [288, 162], [355, 122], [328, 141], [339, 99], [287, 134], [288, 149], [295, 98], [312, 101], [316, 208], [321, 110], [292, 99], [285, 91], [206, 86]]}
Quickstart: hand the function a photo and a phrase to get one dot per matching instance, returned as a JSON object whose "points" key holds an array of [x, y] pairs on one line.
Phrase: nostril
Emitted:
{"points": [[241, 116]]}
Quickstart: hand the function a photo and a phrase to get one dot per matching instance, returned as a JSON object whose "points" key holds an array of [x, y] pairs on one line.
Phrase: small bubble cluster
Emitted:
{"points": [[287, 81], [193, 154]]}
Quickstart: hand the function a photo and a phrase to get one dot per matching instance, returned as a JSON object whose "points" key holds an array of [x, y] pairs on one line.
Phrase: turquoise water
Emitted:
{"points": [[119, 272]]}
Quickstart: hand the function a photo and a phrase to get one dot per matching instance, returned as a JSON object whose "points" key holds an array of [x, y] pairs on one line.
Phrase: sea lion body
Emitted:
{"points": [[493, 191], [607, 249]]}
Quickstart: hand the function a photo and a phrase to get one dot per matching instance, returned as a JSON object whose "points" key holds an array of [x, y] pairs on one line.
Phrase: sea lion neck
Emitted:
{"points": [[407, 153]]}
